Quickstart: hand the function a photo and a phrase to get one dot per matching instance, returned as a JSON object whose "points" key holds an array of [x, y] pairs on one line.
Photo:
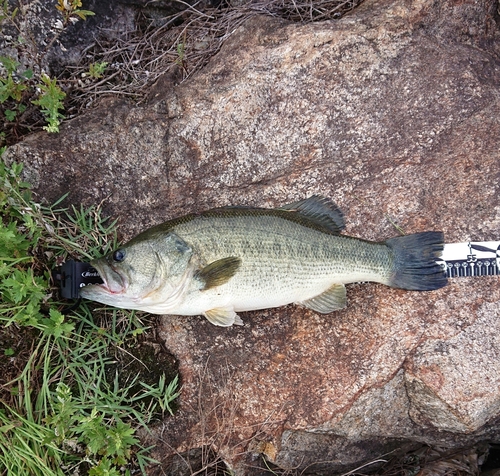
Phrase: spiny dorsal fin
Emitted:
{"points": [[218, 272], [319, 210], [223, 317], [332, 299]]}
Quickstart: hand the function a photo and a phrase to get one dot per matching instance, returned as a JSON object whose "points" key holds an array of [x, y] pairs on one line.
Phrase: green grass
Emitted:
{"points": [[67, 410]]}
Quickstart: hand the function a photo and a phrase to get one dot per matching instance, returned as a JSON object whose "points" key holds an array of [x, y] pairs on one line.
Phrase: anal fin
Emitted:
{"points": [[223, 317], [333, 299]]}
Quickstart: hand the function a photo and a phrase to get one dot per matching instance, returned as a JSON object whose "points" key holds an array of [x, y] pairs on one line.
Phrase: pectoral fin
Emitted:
{"points": [[332, 299], [218, 272], [224, 317]]}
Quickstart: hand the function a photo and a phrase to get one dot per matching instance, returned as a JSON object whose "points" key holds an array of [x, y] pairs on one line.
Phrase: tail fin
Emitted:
{"points": [[415, 266]]}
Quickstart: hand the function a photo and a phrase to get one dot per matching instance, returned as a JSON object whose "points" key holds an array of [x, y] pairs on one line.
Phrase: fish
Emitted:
{"points": [[235, 259]]}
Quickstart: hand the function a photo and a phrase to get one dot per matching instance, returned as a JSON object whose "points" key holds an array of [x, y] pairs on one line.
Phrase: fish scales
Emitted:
{"points": [[285, 250], [223, 261], [293, 260]]}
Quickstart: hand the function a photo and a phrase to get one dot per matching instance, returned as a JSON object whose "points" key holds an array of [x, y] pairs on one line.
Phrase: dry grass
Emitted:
{"points": [[215, 430], [185, 41], [436, 461]]}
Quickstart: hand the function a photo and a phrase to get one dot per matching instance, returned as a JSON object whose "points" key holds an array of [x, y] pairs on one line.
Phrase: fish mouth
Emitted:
{"points": [[113, 281]]}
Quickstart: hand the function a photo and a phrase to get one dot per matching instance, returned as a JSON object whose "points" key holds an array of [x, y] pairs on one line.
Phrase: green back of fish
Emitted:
{"points": [[278, 242], [301, 243]]}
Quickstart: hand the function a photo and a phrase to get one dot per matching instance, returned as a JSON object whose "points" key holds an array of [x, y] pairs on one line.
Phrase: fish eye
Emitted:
{"points": [[119, 255]]}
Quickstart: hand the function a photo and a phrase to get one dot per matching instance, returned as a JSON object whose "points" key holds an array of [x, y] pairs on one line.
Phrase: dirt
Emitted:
{"points": [[16, 346]]}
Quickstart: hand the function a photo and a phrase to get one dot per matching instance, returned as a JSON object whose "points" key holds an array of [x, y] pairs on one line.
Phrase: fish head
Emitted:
{"points": [[146, 273]]}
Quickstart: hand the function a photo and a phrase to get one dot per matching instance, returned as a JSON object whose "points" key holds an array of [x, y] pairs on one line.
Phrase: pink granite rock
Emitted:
{"points": [[393, 112]]}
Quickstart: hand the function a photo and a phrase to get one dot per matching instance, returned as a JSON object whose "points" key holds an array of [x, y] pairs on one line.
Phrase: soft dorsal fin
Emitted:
{"points": [[218, 272], [319, 210]]}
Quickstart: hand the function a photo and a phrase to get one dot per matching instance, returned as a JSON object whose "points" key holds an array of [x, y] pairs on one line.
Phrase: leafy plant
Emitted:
{"points": [[70, 8], [96, 70], [12, 86], [65, 408], [31, 86], [181, 53], [50, 101]]}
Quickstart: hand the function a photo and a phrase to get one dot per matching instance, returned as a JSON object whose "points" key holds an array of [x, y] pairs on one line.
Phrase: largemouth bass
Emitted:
{"points": [[232, 259]]}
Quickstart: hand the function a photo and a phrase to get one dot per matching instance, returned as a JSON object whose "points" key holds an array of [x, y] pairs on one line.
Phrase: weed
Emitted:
{"points": [[71, 8], [96, 70], [64, 411], [50, 101], [181, 53], [13, 84], [21, 88]]}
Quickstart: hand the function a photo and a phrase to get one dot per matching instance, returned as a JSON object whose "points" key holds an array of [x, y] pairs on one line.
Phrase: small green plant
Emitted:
{"points": [[50, 101], [96, 70], [181, 53], [70, 8], [21, 89], [4, 10], [12, 86], [66, 407]]}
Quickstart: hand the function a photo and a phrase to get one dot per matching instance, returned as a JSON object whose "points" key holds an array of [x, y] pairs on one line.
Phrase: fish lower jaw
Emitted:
{"points": [[161, 310], [163, 307], [108, 290]]}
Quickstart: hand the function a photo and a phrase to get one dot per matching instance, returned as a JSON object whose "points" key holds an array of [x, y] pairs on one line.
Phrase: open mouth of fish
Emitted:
{"points": [[112, 281]]}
